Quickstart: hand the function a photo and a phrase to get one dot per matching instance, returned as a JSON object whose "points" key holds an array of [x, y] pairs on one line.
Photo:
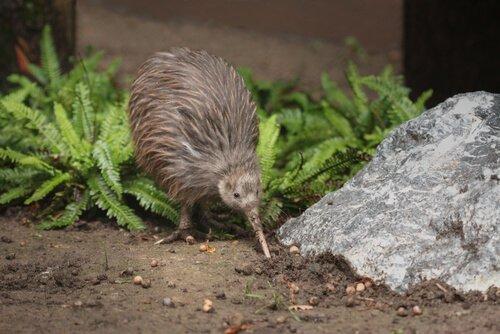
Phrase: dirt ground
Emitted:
{"points": [[80, 280]]}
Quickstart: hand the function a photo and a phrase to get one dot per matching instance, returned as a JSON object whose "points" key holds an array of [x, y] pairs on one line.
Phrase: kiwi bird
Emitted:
{"points": [[195, 131]]}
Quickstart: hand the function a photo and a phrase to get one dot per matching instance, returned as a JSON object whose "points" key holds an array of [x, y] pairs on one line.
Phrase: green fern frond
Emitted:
{"points": [[339, 162], [48, 55], [14, 193], [272, 211], [83, 112], [151, 198], [71, 213], [422, 99], [266, 149], [114, 208], [38, 73], [48, 186], [78, 148], [339, 122], [109, 171], [17, 175], [37, 121], [25, 160]]}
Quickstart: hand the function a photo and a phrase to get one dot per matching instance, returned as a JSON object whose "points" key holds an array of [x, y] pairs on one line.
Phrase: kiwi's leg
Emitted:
{"points": [[185, 228]]}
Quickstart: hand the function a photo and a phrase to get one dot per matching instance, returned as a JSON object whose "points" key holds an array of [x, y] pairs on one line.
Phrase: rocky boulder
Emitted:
{"points": [[427, 205]]}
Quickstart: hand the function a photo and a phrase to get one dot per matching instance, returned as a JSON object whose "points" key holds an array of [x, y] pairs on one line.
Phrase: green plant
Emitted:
{"points": [[66, 139], [308, 148]]}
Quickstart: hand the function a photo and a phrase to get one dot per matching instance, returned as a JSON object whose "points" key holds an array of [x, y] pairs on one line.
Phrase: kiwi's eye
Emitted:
{"points": [[236, 195]]}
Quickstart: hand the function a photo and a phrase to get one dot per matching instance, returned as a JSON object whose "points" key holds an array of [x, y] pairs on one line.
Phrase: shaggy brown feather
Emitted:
{"points": [[195, 129], [193, 121]]}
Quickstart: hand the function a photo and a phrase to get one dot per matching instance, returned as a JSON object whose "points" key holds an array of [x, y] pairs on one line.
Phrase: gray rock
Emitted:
{"points": [[426, 206]]}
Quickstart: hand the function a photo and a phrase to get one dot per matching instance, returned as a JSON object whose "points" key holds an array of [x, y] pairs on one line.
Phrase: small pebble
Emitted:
{"points": [[350, 290], [330, 287], [190, 240], [127, 272], [350, 302], [245, 270], [5, 239], [294, 288], [401, 312], [220, 295], [281, 319], [313, 301], [258, 271], [168, 302], [207, 306], [22, 243], [146, 283], [416, 310], [360, 287], [154, 263], [368, 284], [137, 280], [236, 319], [78, 303], [294, 250], [203, 248]]}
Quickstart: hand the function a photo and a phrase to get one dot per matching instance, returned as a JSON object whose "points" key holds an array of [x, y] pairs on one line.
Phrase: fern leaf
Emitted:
{"points": [[271, 212], [38, 73], [25, 160], [48, 55], [422, 99], [110, 174], [78, 148], [151, 198], [38, 122], [339, 122], [266, 149], [70, 214], [17, 175], [48, 186], [84, 112], [114, 208], [14, 193]]}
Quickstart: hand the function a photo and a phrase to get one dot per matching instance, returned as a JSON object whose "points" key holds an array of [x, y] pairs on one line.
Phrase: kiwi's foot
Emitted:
{"points": [[183, 234]]}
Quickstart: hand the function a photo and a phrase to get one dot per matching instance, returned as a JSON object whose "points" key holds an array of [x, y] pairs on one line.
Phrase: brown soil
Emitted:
{"points": [[79, 280]]}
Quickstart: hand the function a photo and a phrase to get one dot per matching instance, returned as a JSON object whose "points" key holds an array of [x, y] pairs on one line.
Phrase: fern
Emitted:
{"points": [[71, 213], [109, 171], [266, 150], [25, 160], [48, 186], [78, 148], [50, 62], [151, 198], [17, 175], [14, 193], [36, 120], [83, 112], [107, 201]]}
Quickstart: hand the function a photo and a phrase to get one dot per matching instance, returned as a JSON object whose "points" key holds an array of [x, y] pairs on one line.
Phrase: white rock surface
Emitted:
{"points": [[427, 206]]}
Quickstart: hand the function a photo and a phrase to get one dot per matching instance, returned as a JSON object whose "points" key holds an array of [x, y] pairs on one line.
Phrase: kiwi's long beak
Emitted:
{"points": [[254, 218]]}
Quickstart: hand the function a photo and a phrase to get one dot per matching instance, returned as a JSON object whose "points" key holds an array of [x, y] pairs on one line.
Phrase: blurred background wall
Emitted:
{"points": [[277, 39]]}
